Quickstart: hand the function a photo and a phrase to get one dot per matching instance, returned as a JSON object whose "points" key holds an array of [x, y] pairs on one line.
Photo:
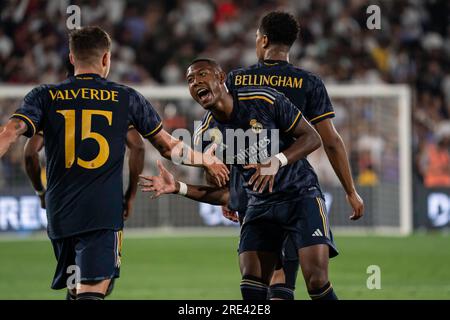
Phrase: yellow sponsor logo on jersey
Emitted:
{"points": [[268, 80], [85, 93]]}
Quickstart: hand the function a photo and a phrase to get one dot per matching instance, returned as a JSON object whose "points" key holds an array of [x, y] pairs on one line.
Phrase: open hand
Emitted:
{"points": [[163, 184]]}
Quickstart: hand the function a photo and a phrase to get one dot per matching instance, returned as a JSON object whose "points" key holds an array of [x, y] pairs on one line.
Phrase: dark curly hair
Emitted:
{"points": [[280, 28]]}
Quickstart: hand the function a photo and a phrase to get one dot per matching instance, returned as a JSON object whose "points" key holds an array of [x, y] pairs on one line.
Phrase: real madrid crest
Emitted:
{"points": [[256, 126]]}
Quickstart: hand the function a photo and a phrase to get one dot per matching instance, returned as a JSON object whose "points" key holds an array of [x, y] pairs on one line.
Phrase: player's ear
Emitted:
{"points": [[265, 42], [71, 59], [105, 59], [222, 77]]}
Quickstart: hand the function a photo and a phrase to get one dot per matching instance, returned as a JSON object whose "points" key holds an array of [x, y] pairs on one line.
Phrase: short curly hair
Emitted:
{"points": [[280, 28]]}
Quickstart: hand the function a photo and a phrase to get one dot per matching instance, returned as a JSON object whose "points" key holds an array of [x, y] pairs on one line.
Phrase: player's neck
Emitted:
{"points": [[88, 70], [276, 54], [224, 108]]}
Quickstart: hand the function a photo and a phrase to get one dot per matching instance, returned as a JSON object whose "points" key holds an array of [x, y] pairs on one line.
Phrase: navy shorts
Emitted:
{"points": [[289, 253], [94, 255], [305, 221]]}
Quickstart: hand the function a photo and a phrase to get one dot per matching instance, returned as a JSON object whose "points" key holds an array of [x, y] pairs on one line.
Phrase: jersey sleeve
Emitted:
{"points": [[142, 116], [287, 115], [31, 110], [318, 104], [200, 143]]}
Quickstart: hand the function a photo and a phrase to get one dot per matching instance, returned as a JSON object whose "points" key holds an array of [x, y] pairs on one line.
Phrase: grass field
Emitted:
{"points": [[416, 267]]}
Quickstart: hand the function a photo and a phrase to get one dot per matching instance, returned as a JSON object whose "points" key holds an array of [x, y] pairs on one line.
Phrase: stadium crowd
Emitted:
{"points": [[153, 41]]}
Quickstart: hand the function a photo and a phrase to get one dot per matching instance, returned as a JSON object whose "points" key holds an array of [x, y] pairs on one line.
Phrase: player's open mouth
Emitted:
{"points": [[203, 94]]}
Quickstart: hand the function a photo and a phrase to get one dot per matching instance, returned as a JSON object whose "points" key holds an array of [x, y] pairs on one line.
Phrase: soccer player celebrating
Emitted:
{"points": [[274, 38], [285, 199], [135, 163], [85, 121]]}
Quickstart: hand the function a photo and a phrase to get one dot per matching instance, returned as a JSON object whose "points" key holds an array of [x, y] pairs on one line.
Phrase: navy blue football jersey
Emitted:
{"points": [[267, 118], [305, 89], [85, 121]]}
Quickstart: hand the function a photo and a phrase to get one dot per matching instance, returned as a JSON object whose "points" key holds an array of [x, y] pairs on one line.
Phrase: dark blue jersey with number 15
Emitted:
{"points": [[85, 121]]}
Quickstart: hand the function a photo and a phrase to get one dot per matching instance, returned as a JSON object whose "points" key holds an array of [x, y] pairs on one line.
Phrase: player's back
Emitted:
{"points": [[85, 121], [305, 89]]}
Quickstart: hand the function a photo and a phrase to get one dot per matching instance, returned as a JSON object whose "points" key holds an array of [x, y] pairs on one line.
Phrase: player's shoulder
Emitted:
{"points": [[134, 95], [120, 86], [243, 70], [256, 92], [310, 78], [40, 92]]}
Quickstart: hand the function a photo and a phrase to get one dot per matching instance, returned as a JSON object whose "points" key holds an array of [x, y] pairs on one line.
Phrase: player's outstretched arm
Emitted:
{"points": [[32, 166], [335, 149], [165, 183], [9, 134], [135, 165], [171, 149], [307, 140]]}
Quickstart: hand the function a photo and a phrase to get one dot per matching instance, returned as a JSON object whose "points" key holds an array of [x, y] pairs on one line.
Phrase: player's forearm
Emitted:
{"points": [[33, 170], [338, 158], [306, 143], [176, 151], [13, 129], [136, 166], [207, 194]]}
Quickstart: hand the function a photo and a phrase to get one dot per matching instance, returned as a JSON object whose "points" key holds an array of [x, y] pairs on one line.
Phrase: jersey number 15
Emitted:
{"points": [[86, 133]]}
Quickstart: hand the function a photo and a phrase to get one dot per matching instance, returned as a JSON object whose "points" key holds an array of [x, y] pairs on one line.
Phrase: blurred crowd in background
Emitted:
{"points": [[153, 41]]}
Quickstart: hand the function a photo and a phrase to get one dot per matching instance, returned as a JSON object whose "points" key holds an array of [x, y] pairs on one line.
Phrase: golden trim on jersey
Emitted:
{"points": [[321, 116], [256, 97], [201, 129], [295, 121], [204, 125], [153, 131], [28, 120], [258, 92]]}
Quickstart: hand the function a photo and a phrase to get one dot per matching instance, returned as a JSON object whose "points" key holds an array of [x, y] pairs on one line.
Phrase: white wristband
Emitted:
{"points": [[283, 160], [183, 188]]}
